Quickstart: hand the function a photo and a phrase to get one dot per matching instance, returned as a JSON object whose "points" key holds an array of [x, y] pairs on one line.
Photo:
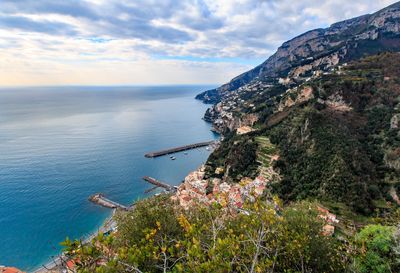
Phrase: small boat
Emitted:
{"points": [[207, 148], [173, 157]]}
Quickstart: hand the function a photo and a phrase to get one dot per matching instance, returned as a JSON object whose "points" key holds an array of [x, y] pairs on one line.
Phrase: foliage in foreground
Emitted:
{"points": [[379, 249], [159, 237]]}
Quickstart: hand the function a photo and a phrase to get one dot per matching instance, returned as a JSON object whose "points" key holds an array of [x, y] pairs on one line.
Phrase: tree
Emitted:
{"points": [[158, 236], [378, 249], [306, 248]]}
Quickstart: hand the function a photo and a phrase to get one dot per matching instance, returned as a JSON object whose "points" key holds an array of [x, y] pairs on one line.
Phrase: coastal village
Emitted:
{"points": [[239, 110], [304, 173], [236, 112], [196, 189]]}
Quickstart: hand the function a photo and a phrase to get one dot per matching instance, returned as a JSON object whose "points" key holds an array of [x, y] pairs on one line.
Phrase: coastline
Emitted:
{"points": [[54, 266], [108, 225], [116, 169], [52, 261]]}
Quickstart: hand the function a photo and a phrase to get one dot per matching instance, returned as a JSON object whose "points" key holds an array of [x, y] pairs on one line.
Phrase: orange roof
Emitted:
{"points": [[71, 264], [10, 270], [323, 210]]}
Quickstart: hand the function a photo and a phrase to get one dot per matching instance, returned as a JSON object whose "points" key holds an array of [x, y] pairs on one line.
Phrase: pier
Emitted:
{"points": [[159, 183], [179, 149], [99, 199]]}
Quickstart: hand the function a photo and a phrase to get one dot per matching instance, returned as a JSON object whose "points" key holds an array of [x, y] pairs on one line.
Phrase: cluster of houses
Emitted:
{"points": [[196, 189], [223, 113]]}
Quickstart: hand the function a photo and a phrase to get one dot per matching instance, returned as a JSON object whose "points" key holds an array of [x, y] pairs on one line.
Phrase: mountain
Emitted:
{"points": [[328, 104], [321, 49]]}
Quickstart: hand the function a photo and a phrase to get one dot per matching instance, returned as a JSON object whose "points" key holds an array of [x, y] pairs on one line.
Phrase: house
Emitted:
{"points": [[328, 230], [71, 266], [326, 215], [330, 220]]}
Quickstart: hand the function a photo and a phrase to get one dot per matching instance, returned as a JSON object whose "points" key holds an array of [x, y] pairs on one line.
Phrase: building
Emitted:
{"points": [[330, 220]]}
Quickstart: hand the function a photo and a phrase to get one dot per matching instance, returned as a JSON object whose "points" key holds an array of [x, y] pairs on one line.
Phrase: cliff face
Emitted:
{"points": [[321, 49]]}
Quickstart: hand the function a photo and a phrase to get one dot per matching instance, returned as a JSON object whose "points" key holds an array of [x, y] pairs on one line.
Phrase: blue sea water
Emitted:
{"points": [[58, 145]]}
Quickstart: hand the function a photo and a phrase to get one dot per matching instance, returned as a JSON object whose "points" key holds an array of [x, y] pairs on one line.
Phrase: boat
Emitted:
{"points": [[173, 157]]}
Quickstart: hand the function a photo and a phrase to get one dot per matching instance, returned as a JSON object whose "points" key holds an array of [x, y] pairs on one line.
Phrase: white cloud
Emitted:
{"points": [[130, 41]]}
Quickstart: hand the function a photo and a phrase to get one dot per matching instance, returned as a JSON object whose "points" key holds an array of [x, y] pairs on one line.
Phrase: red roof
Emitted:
{"points": [[71, 264]]}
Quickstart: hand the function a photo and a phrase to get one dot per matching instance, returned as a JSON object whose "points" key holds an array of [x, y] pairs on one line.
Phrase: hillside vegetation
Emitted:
{"points": [[159, 237], [342, 144]]}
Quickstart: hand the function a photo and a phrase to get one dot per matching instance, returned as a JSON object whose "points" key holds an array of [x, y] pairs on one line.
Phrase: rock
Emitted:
{"points": [[337, 103]]}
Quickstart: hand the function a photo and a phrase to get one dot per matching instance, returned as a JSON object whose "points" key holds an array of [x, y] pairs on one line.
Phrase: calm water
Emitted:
{"points": [[60, 145]]}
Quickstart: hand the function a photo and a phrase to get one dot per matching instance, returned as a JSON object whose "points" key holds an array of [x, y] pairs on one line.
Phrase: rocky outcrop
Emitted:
{"points": [[336, 102], [305, 94], [322, 49]]}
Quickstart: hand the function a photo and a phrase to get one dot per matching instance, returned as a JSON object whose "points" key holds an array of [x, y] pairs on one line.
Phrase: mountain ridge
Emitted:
{"points": [[322, 47]]}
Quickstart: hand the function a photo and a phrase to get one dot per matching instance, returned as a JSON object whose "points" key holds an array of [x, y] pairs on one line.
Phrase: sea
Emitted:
{"points": [[59, 145]]}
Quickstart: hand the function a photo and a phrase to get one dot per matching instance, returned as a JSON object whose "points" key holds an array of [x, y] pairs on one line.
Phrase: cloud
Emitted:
{"points": [[61, 37], [75, 8], [28, 25]]}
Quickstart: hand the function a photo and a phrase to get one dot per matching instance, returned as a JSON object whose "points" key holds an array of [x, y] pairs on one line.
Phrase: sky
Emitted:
{"points": [[149, 42]]}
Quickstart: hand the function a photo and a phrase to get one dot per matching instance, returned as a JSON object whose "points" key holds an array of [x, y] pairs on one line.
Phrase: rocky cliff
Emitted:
{"points": [[321, 49]]}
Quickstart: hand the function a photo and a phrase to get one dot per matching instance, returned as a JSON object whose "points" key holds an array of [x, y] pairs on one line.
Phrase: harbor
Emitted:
{"points": [[60, 262]]}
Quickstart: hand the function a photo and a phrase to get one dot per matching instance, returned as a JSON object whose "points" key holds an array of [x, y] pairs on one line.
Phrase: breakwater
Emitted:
{"points": [[179, 149]]}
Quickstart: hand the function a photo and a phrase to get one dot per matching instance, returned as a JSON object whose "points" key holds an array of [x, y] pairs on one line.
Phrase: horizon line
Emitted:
{"points": [[108, 85]]}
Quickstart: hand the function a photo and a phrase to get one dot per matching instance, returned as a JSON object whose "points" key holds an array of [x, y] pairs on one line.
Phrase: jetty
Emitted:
{"points": [[179, 149], [159, 183], [99, 199]]}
